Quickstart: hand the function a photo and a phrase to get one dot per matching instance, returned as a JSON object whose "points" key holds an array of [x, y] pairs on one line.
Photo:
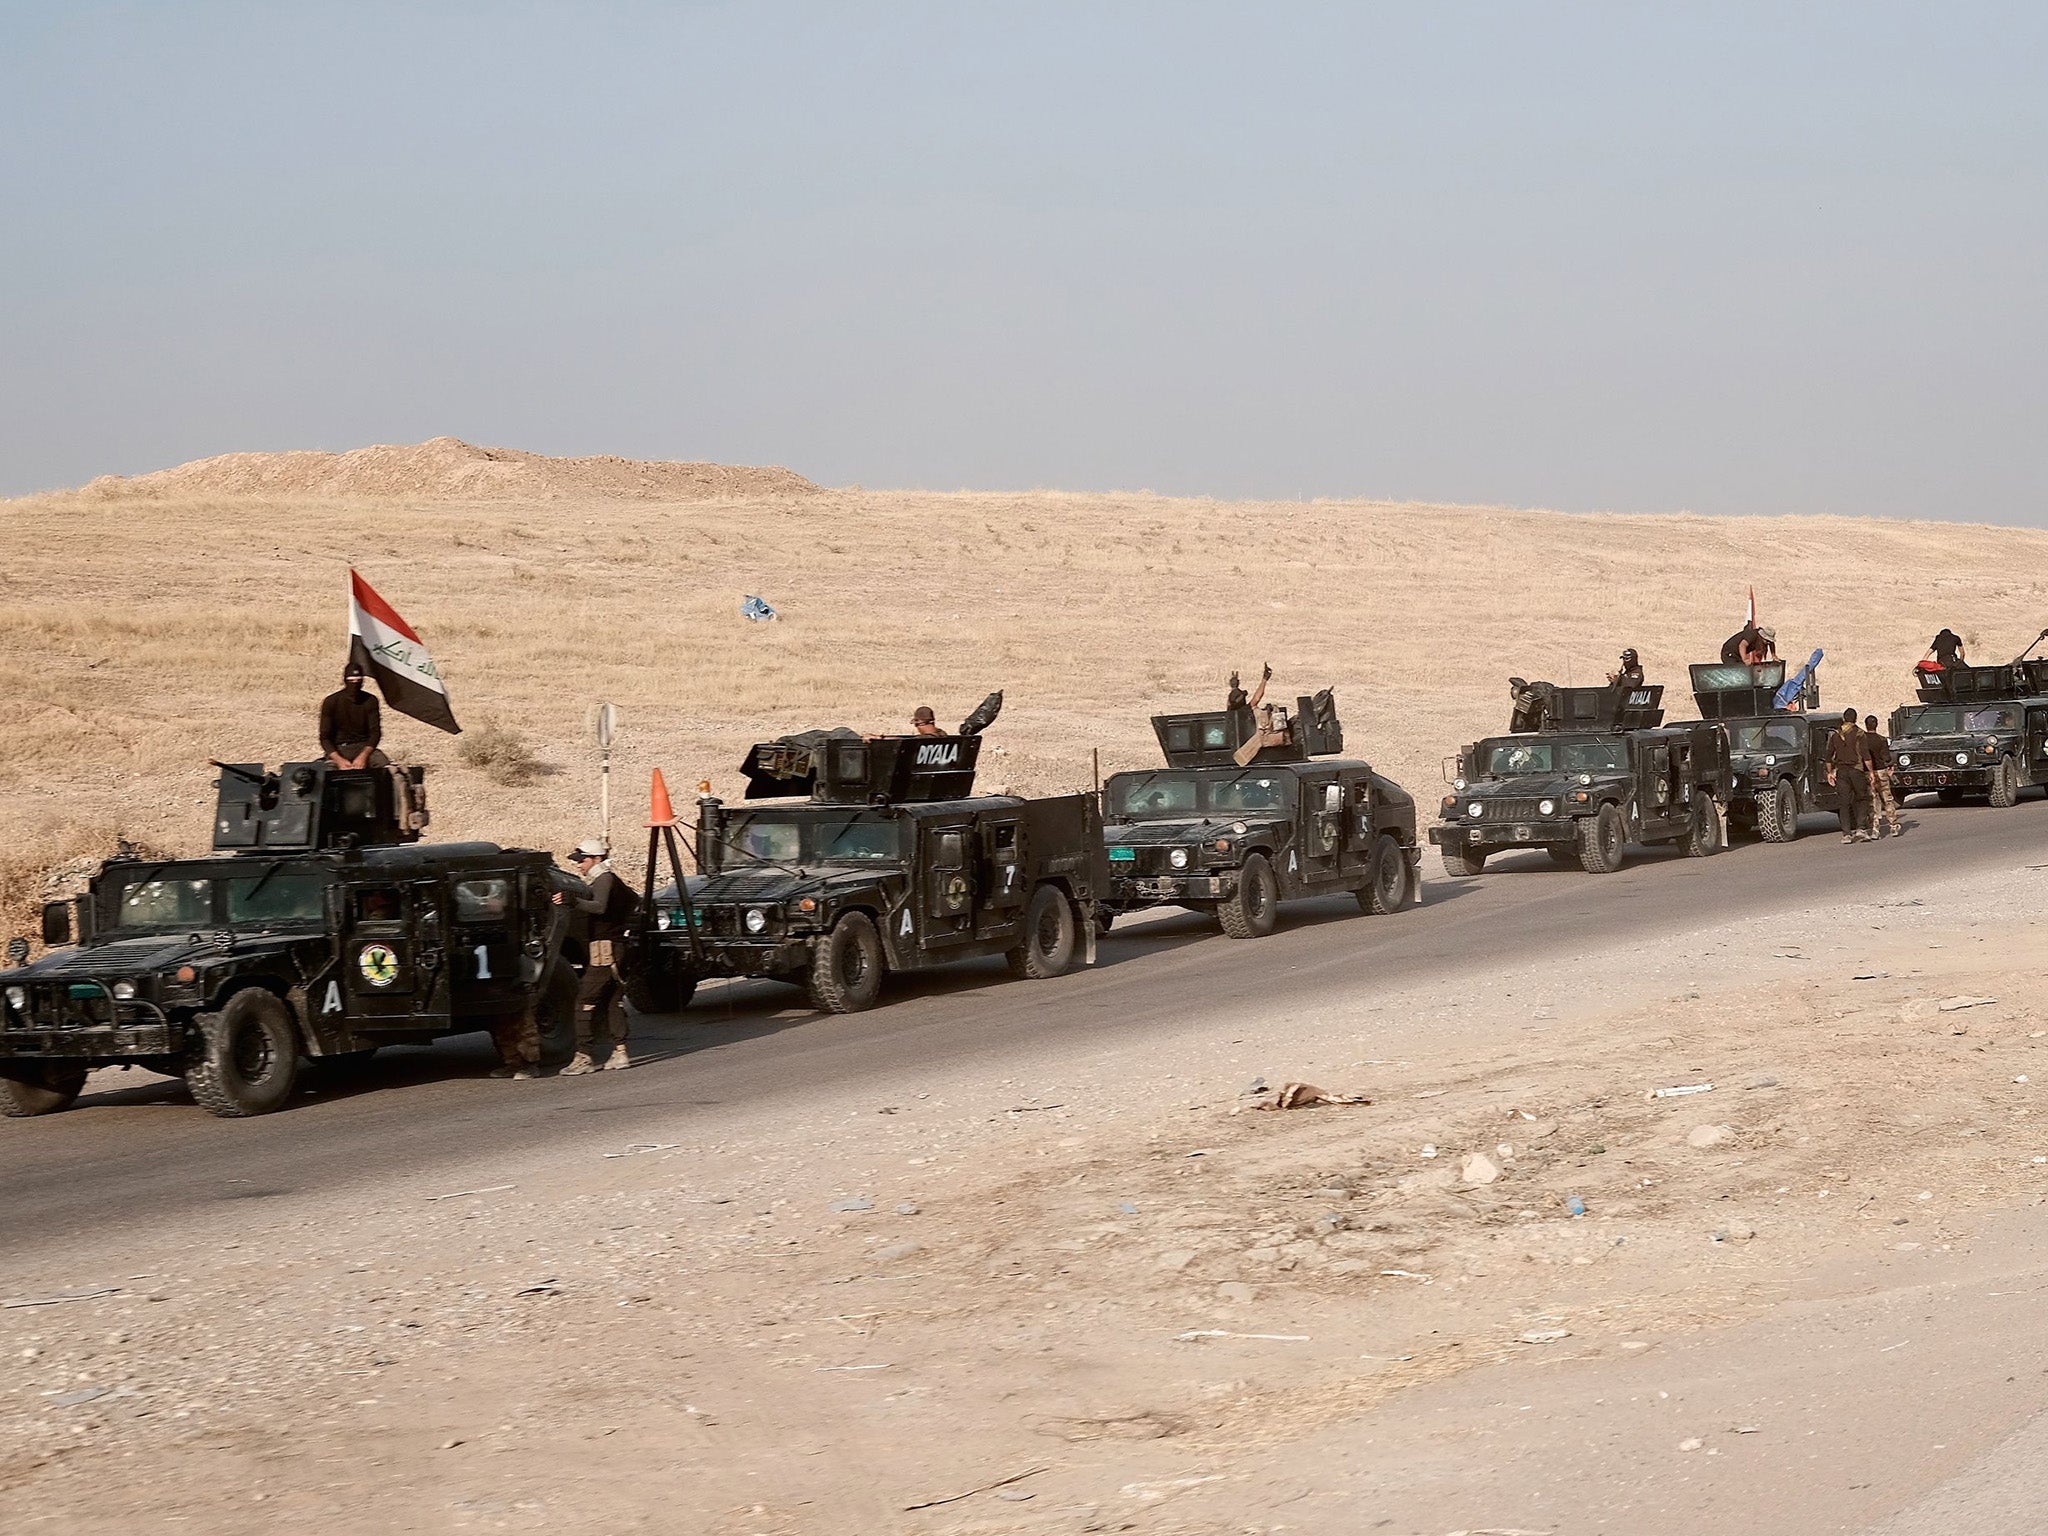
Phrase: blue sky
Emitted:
{"points": [[1728, 258]]}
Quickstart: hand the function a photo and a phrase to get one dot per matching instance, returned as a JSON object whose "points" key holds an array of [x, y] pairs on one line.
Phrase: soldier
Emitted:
{"points": [[1849, 772], [1631, 673], [924, 723], [517, 1038], [1947, 649], [1238, 698], [350, 723], [1884, 807], [600, 998]]}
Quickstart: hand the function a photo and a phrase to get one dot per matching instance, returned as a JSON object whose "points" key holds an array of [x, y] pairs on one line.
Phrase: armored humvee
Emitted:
{"points": [[319, 927], [1777, 756], [1976, 731], [888, 862], [1586, 772], [1239, 821]]}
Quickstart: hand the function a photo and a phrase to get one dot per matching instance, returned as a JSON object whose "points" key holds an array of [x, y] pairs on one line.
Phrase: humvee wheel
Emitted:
{"points": [[554, 1015], [1048, 947], [1777, 812], [661, 988], [1457, 861], [1705, 836], [39, 1087], [1387, 890], [247, 1058], [2005, 784], [1253, 909], [1564, 855], [846, 966], [1602, 841]]}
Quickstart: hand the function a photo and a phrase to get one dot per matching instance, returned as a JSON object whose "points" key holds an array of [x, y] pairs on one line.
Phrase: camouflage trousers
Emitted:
{"points": [[517, 1038], [1884, 806]]}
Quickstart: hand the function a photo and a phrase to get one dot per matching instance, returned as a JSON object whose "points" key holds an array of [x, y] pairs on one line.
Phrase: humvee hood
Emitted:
{"points": [[1537, 785], [1147, 833], [777, 884], [121, 957]]}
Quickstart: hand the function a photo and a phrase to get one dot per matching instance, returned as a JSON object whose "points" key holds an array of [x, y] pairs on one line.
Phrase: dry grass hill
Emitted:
{"points": [[151, 623]]}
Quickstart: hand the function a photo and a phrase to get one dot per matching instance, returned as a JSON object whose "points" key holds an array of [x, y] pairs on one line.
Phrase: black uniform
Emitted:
{"points": [[1948, 648], [1852, 780], [607, 916], [350, 722]]}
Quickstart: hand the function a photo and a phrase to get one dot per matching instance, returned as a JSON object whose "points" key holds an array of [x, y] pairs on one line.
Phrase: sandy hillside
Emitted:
{"points": [[149, 624]]}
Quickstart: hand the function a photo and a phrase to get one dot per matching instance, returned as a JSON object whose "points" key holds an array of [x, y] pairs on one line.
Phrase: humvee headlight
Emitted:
{"points": [[1178, 858], [1475, 809], [17, 999], [1459, 785], [1546, 807], [1905, 759], [1770, 759], [661, 920], [756, 920], [1585, 778], [1962, 757], [124, 991]]}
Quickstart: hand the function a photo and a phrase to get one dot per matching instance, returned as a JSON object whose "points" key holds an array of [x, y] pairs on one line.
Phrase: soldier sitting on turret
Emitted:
{"points": [[1631, 673]]}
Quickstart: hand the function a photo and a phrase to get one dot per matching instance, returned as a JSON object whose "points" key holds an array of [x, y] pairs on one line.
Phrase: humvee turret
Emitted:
{"points": [[1240, 820], [1777, 756], [320, 926], [875, 856], [1586, 772], [1975, 732]]}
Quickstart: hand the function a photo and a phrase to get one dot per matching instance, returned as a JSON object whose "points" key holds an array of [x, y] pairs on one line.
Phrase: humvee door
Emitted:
{"points": [[393, 971], [1321, 818], [949, 884], [485, 971]]}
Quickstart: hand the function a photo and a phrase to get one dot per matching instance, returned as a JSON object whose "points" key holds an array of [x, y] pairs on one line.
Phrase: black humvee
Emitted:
{"points": [[1777, 757], [319, 927], [1234, 828], [891, 862], [1977, 731], [1587, 772]]}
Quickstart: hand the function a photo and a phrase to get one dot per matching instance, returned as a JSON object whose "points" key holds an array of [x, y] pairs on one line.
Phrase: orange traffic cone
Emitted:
{"points": [[659, 812]]}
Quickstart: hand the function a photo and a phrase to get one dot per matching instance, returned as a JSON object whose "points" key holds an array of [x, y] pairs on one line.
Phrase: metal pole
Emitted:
{"points": [[604, 795]]}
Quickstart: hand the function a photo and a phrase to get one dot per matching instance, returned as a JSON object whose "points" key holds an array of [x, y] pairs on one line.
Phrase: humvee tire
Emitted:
{"points": [[1253, 909], [1387, 890], [846, 966], [1777, 812], [1564, 855], [1705, 837], [2005, 784], [1603, 841], [1457, 861], [39, 1087], [246, 1061], [554, 1016], [658, 985], [1049, 937]]}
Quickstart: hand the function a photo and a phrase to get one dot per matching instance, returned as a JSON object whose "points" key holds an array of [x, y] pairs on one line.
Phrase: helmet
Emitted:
{"points": [[1629, 655]]}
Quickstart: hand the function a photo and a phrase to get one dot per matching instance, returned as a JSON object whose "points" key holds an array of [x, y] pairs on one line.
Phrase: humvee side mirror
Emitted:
{"points": [[1450, 766], [56, 922], [17, 950]]}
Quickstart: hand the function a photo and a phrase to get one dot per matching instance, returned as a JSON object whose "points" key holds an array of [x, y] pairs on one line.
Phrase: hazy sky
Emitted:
{"points": [[1722, 257]]}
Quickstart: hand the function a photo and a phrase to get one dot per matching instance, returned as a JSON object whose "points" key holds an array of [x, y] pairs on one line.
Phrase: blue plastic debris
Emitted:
{"points": [[757, 609]]}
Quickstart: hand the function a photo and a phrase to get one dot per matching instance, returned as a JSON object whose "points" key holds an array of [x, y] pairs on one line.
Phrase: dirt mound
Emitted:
{"points": [[447, 469]]}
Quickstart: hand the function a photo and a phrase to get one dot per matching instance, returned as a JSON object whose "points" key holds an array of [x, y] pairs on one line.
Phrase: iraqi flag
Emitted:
{"points": [[386, 648]]}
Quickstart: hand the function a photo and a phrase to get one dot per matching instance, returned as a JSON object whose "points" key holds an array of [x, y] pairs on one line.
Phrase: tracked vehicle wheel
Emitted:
{"points": [[1387, 891], [1460, 862], [846, 966], [1049, 934], [2005, 784], [1777, 812], [1603, 841], [247, 1059], [1253, 910], [39, 1087]]}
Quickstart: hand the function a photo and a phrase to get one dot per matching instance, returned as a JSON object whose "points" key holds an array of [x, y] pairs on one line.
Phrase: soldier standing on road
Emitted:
{"points": [[1884, 807], [1849, 772], [607, 913], [350, 723]]}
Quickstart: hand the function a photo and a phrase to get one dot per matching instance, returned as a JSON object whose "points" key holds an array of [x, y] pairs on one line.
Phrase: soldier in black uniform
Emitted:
{"points": [[350, 723], [1631, 673], [607, 914]]}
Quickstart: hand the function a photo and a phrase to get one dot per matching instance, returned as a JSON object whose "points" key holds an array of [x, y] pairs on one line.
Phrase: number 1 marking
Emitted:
{"points": [[483, 963]]}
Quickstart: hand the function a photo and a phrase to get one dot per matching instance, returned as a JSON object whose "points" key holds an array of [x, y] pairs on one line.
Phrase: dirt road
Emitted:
{"points": [[800, 1275]]}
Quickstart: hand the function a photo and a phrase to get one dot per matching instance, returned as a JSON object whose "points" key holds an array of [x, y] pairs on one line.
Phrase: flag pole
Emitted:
{"points": [[607, 722]]}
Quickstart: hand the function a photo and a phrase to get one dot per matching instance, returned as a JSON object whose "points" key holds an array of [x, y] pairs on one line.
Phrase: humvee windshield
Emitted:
{"points": [[1766, 736], [1162, 796], [277, 894], [177, 901], [801, 840], [1949, 720], [1510, 759]]}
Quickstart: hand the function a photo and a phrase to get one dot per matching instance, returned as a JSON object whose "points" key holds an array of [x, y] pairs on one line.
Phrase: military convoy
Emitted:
{"points": [[1584, 773], [320, 927], [1243, 818]]}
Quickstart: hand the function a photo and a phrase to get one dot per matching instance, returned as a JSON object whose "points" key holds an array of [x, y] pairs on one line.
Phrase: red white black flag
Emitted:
{"points": [[386, 647]]}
